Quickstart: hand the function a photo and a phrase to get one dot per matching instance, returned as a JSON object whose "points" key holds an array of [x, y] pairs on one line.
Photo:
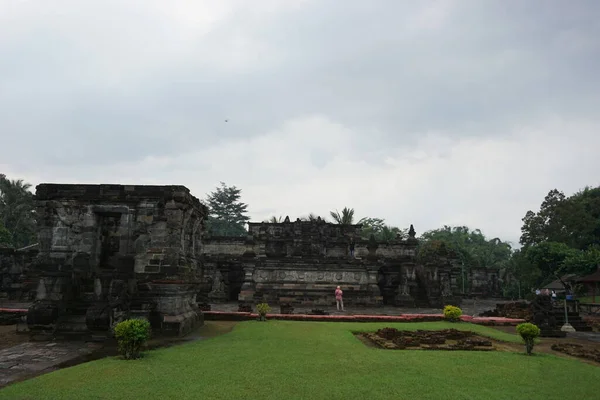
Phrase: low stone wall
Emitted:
{"points": [[302, 282]]}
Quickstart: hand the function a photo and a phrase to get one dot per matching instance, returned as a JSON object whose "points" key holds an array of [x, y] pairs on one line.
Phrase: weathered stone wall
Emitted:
{"points": [[16, 282], [485, 282], [230, 246], [302, 262], [310, 283], [108, 248]]}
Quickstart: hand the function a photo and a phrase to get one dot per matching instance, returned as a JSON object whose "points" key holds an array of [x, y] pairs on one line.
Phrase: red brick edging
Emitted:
{"points": [[244, 316]]}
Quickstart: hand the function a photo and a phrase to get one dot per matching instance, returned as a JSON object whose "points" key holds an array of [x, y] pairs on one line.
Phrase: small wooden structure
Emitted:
{"points": [[591, 281]]}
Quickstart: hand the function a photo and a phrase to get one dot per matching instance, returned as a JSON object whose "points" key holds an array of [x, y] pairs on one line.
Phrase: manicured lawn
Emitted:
{"points": [[317, 360], [590, 299]]}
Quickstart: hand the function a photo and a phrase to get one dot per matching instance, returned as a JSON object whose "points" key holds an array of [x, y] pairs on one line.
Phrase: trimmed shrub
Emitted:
{"points": [[452, 313], [528, 332], [131, 335], [263, 309]]}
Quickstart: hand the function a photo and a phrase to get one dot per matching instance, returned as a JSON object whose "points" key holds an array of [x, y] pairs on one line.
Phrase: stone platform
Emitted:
{"points": [[30, 359]]}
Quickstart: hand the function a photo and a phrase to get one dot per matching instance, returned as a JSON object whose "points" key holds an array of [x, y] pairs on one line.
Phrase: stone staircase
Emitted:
{"points": [[574, 319]]}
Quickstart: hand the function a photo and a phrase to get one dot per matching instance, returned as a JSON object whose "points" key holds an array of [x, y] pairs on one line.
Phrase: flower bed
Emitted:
{"points": [[446, 339], [578, 350]]}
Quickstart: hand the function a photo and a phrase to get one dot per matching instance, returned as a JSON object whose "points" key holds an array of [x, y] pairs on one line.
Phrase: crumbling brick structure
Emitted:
{"points": [[302, 262], [109, 252]]}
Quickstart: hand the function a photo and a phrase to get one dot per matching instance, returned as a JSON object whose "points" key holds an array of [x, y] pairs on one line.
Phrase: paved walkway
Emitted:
{"points": [[29, 359], [469, 307]]}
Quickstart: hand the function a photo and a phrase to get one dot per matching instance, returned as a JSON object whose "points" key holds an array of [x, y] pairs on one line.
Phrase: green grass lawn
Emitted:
{"points": [[317, 360], [589, 299]]}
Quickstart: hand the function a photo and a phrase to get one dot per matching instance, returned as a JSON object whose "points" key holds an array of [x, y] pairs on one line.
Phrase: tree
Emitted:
{"points": [[346, 217], [549, 258], [378, 228], [311, 217], [227, 214], [17, 213], [573, 220], [274, 220], [471, 247], [5, 237], [564, 235], [526, 274]]}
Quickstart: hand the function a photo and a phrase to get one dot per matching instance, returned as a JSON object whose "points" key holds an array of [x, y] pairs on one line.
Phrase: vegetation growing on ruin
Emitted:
{"points": [[317, 361]]}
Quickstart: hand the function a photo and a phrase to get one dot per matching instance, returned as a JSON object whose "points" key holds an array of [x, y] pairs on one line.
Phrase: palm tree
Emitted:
{"points": [[345, 218], [274, 220], [17, 210], [311, 217]]}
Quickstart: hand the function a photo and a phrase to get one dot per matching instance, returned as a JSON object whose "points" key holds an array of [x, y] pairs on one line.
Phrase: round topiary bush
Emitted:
{"points": [[131, 335], [263, 309], [452, 313], [528, 332]]}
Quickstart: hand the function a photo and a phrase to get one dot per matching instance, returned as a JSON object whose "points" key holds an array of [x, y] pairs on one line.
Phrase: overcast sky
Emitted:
{"points": [[463, 112]]}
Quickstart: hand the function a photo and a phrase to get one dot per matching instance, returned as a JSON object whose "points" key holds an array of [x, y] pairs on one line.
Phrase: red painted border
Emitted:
{"points": [[240, 316]]}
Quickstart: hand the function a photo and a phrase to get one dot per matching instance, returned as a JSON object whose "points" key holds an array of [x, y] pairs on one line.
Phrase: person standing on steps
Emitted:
{"points": [[352, 248], [339, 301]]}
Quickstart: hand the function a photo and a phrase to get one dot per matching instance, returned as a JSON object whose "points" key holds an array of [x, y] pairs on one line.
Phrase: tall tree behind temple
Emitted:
{"points": [[227, 214], [17, 211], [564, 235], [370, 225], [379, 229], [574, 221], [346, 217], [274, 220], [470, 246], [5, 237]]}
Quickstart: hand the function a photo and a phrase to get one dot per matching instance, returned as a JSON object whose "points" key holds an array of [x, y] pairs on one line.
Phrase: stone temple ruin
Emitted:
{"points": [[110, 252]]}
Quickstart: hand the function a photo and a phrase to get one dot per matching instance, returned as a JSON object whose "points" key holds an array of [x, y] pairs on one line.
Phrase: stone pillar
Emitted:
{"points": [[176, 307], [249, 286], [403, 298], [373, 287]]}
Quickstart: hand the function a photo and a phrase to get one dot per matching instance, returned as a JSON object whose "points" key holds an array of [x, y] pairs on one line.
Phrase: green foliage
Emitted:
{"points": [[274, 220], [346, 217], [131, 335], [452, 313], [549, 257], [472, 248], [227, 213], [564, 235], [582, 262], [263, 309], [311, 217], [17, 214], [574, 221], [5, 237], [380, 230], [528, 332]]}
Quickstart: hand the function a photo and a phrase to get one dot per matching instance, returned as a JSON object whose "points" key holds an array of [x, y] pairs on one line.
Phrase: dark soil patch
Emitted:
{"points": [[9, 336], [446, 339], [569, 347], [578, 350]]}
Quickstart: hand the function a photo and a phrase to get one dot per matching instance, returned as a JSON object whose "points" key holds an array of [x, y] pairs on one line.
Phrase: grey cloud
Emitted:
{"points": [[490, 64], [99, 86]]}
